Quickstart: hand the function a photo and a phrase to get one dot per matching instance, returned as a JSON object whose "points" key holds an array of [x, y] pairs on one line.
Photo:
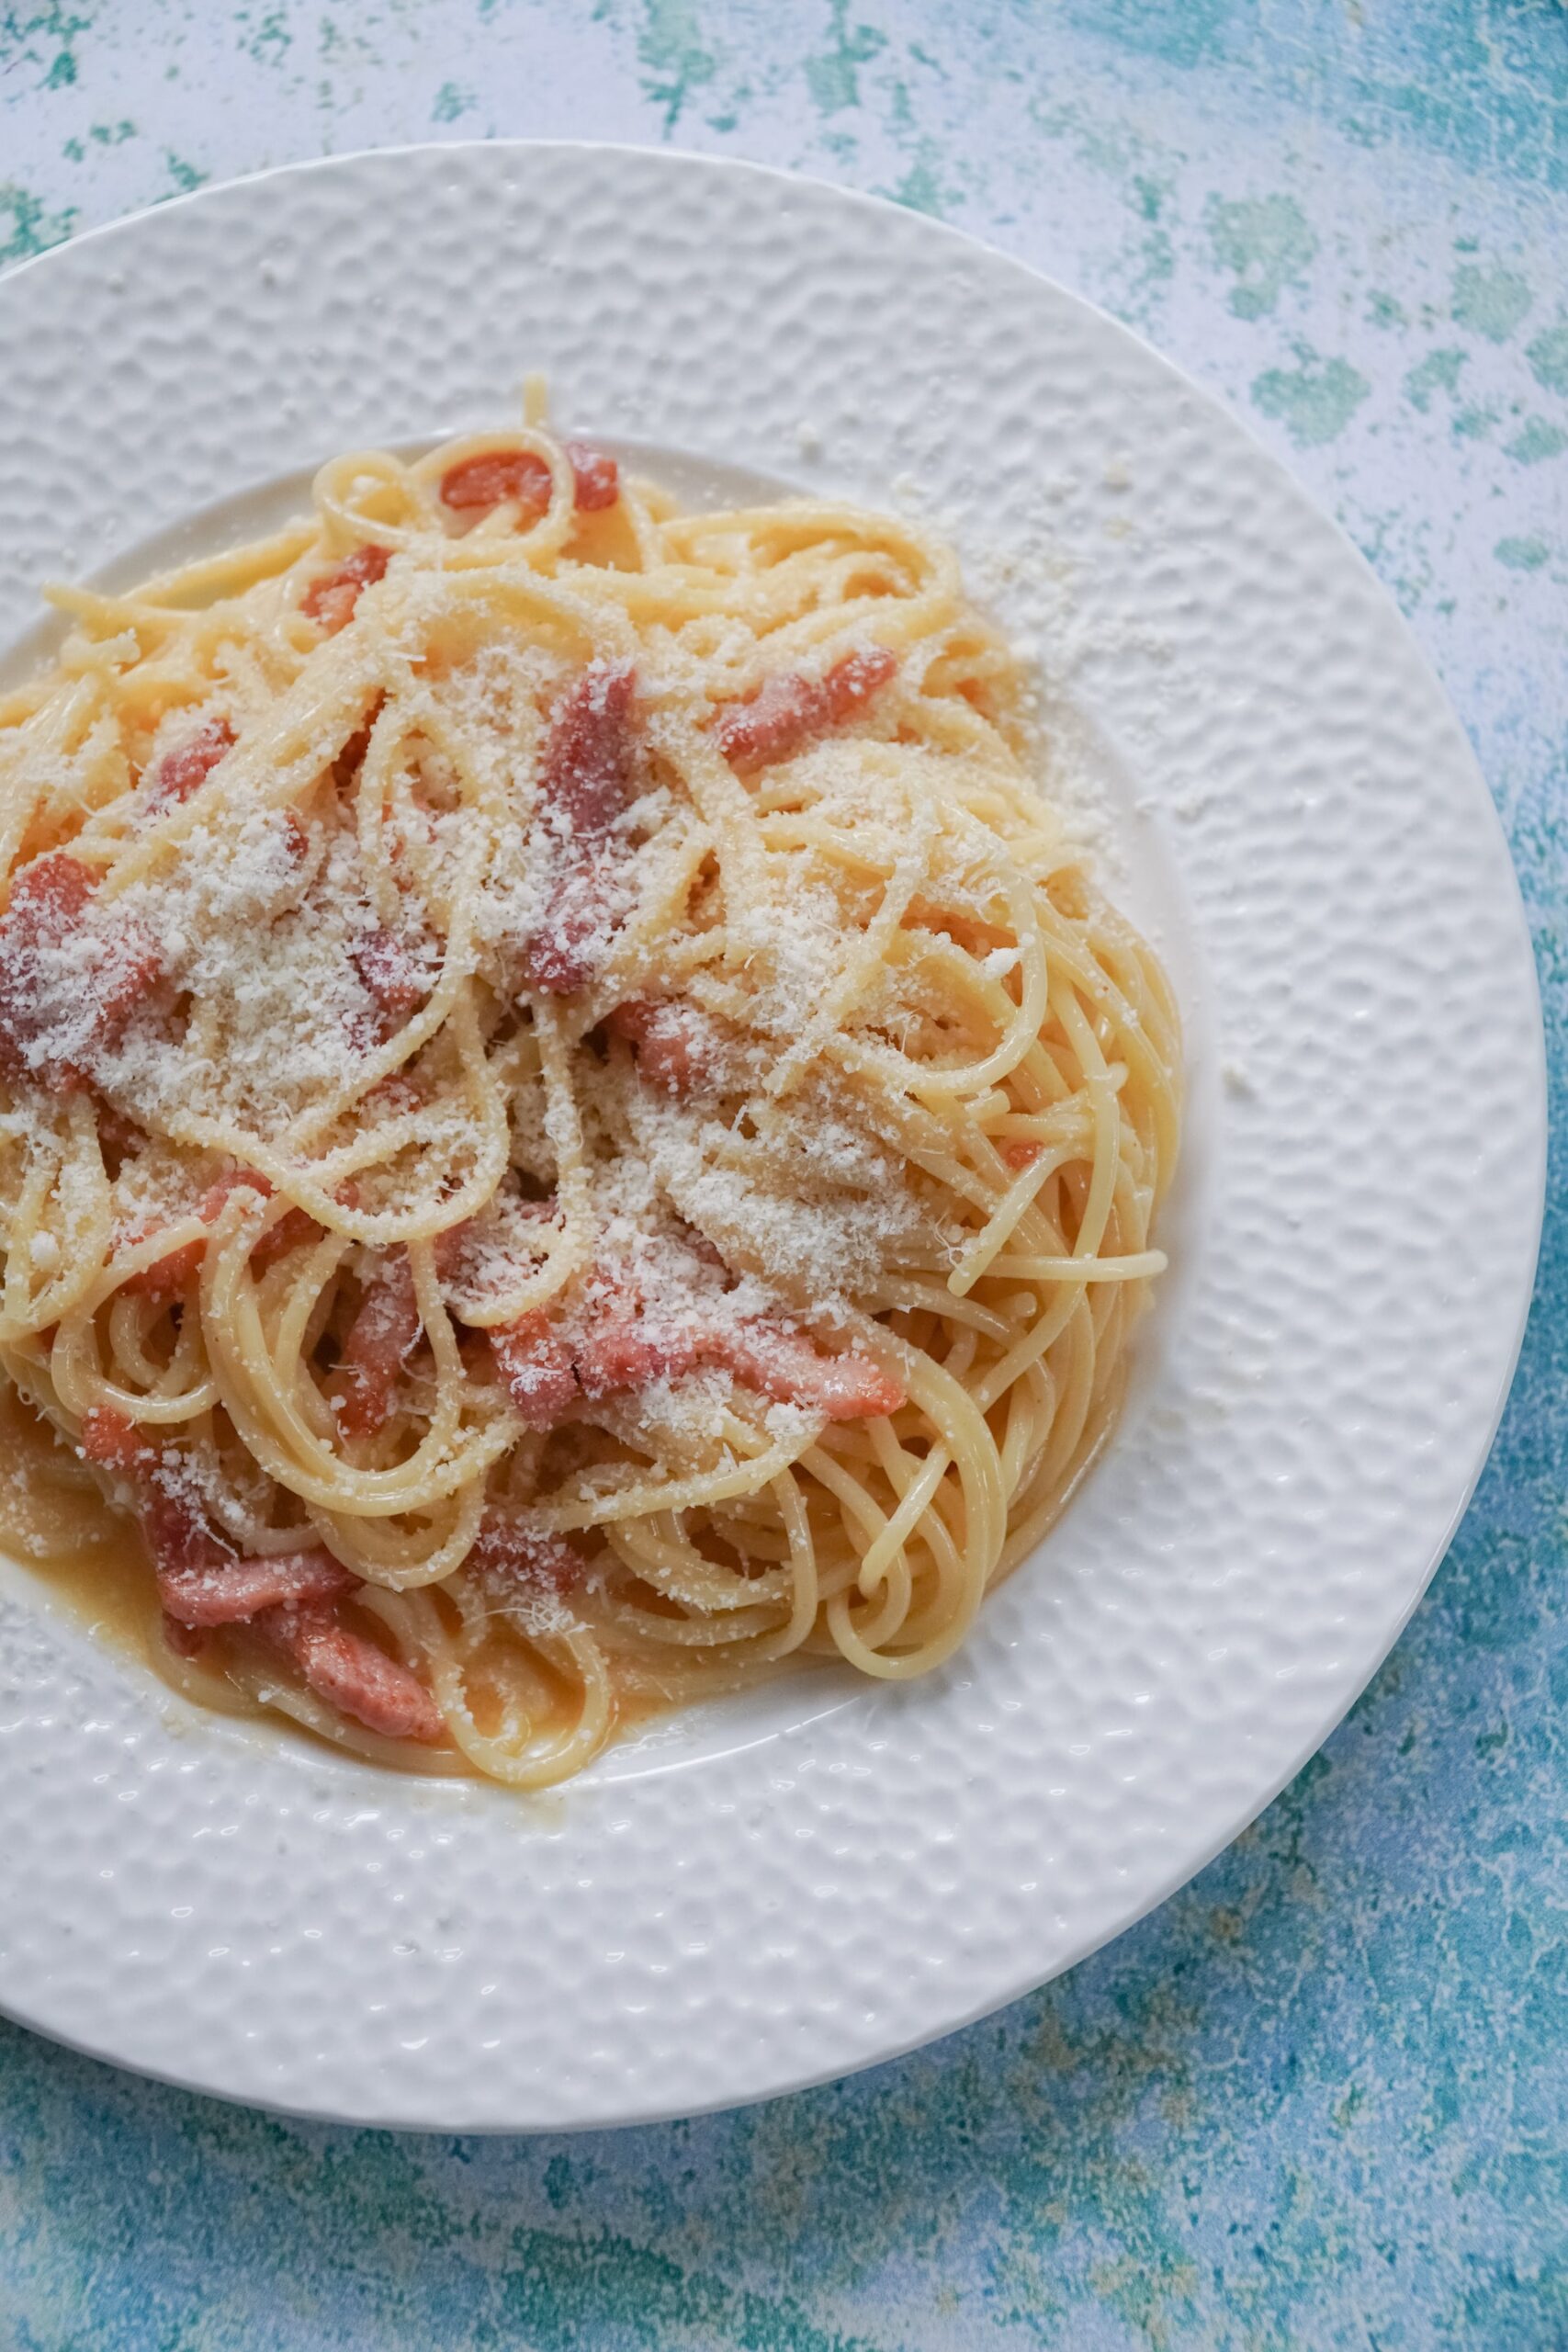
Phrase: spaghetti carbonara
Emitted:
{"points": [[572, 1129]]}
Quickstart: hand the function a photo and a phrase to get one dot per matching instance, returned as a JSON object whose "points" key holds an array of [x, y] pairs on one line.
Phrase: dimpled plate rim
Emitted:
{"points": [[266, 1923]]}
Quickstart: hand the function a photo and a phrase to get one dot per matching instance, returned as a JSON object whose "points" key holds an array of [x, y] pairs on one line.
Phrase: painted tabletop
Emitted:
{"points": [[1321, 2098]]}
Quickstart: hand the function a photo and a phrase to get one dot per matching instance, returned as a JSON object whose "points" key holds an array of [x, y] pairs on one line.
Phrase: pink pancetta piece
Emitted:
{"points": [[674, 1044], [596, 478], [171, 1275], [351, 1674], [382, 1337], [627, 1352], [391, 973], [50, 900], [201, 1582], [291, 1598], [182, 1543], [231, 1591], [785, 1366], [115, 1441], [520, 477], [789, 711], [180, 773], [587, 780], [622, 1351], [330, 600], [535, 1364], [510, 1550]]}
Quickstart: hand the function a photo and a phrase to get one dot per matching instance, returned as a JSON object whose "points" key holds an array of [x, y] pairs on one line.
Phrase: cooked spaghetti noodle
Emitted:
{"points": [[573, 1128]]}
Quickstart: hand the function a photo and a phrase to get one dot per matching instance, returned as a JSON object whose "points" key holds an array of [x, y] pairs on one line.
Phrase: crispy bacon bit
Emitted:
{"points": [[114, 1440], [45, 1002], [535, 1362], [351, 1675], [675, 1043], [290, 1597], [588, 771], [588, 779], [627, 1351], [595, 476], [53, 891], [521, 477], [788, 709], [546, 1374], [382, 1337], [181, 772], [182, 1543], [1018, 1151], [331, 600], [231, 1591], [496, 478], [171, 1275], [785, 1366], [512, 1551], [621, 1352], [393, 975]]}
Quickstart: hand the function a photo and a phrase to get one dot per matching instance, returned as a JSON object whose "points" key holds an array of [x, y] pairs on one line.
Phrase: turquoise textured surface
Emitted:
{"points": [[1321, 2098]]}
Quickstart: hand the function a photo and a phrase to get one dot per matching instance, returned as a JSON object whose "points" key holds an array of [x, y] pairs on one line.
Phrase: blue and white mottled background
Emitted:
{"points": [[1322, 2098]]}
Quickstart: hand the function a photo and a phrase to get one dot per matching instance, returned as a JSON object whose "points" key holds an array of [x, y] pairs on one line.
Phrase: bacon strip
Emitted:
{"points": [[114, 1440], [50, 902], [788, 709], [382, 1337], [290, 1598], [201, 1583], [673, 1043], [53, 891], [184, 1548], [180, 773], [330, 600], [622, 1351], [171, 1275], [521, 477], [393, 975], [596, 478], [510, 1550], [588, 779], [627, 1352], [351, 1674], [535, 1362], [785, 1366], [231, 1591]]}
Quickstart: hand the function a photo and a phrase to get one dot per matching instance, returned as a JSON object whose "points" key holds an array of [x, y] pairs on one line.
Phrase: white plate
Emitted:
{"points": [[788, 1887]]}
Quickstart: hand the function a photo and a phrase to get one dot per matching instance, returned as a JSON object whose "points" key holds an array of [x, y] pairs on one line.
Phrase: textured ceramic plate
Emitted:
{"points": [[785, 1888]]}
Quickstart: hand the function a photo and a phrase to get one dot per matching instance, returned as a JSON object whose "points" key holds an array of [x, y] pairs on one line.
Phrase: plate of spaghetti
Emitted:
{"points": [[734, 1286]]}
